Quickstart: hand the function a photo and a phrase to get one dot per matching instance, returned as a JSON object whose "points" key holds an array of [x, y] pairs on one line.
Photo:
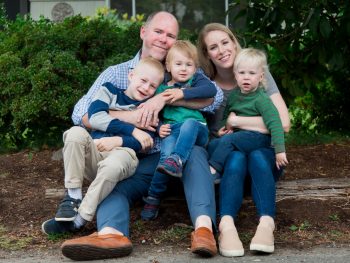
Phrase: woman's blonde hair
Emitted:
{"points": [[252, 57], [204, 61], [184, 47]]}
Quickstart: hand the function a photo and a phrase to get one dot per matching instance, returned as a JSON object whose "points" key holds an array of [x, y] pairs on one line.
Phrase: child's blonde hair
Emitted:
{"points": [[150, 62], [255, 57], [186, 48]]}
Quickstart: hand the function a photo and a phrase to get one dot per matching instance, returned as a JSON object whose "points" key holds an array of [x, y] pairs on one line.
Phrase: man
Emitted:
{"points": [[158, 34]]}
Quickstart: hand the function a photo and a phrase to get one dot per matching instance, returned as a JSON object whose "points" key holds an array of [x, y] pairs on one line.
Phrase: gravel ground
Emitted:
{"points": [[170, 254]]}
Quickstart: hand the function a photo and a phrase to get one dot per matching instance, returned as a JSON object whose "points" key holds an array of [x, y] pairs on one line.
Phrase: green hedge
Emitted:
{"points": [[45, 67], [309, 55]]}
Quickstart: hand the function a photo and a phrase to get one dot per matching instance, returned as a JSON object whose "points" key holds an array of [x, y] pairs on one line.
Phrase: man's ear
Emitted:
{"points": [[142, 32]]}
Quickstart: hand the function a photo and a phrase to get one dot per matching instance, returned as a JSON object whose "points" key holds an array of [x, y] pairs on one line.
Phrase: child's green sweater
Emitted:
{"points": [[257, 103]]}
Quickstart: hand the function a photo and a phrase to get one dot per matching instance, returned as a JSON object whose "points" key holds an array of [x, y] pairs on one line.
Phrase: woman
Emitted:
{"points": [[217, 49]]}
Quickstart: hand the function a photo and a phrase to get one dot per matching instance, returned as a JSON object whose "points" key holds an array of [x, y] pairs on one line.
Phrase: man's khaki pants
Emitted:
{"points": [[103, 169]]}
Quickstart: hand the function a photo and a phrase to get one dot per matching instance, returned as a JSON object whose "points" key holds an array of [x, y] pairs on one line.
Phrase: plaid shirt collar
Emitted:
{"points": [[135, 60]]}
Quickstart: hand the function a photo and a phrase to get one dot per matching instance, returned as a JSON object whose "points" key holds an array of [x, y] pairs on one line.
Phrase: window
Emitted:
{"points": [[192, 15]]}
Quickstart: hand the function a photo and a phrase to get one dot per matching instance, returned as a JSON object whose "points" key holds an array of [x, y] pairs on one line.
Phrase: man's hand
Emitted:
{"points": [[173, 95], [281, 160], [149, 110], [144, 138], [107, 144], [164, 130], [131, 117]]}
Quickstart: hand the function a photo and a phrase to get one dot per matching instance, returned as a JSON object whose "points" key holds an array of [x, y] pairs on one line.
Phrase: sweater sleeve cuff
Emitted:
{"points": [[280, 148], [132, 143]]}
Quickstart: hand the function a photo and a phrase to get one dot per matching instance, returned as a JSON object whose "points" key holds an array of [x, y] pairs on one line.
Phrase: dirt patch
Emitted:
{"points": [[24, 176]]}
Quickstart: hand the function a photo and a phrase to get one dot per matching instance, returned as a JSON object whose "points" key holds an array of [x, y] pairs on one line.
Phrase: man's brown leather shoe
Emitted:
{"points": [[97, 246], [203, 242]]}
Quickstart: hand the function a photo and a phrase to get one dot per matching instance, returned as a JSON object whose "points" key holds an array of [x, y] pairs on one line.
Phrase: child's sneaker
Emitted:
{"points": [[52, 226], [150, 209], [171, 166], [68, 209]]}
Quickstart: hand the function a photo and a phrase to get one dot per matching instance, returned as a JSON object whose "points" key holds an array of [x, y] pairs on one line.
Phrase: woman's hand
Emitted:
{"points": [[149, 110], [107, 144], [281, 160], [164, 130], [144, 138]]}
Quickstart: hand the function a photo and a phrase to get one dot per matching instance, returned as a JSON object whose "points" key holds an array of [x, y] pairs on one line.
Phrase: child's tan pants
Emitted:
{"points": [[103, 169]]}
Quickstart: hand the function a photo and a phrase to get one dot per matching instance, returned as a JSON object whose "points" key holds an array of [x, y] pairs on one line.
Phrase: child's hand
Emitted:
{"points": [[144, 138], [173, 95], [164, 130], [107, 144], [224, 131], [230, 120], [281, 160]]}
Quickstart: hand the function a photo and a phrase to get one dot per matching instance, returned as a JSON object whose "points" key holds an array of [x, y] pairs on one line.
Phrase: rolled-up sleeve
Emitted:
{"points": [[217, 100]]}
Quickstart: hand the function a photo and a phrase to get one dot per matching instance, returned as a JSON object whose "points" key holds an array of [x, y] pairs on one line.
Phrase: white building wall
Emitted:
{"points": [[57, 10]]}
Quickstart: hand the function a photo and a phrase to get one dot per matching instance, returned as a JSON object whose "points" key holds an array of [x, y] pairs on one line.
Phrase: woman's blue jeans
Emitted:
{"points": [[243, 141], [260, 166]]}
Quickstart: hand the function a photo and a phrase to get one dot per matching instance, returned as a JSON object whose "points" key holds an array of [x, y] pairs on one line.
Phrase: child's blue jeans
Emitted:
{"points": [[180, 142]]}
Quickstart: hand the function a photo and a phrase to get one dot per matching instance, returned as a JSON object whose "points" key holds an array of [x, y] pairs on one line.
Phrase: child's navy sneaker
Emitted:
{"points": [[171, 166], [68, 209], [52, 226], [150, 209]]}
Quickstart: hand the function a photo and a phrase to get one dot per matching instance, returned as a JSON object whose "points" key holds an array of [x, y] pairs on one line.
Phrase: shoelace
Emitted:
{"points": [[172, 163]]}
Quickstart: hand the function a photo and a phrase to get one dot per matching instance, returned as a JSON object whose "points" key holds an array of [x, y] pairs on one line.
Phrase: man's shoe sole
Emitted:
{"points": [[88, 252], [203, 252]]}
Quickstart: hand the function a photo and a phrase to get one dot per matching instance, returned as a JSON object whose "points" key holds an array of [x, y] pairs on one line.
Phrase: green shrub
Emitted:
{"points": [[45, 67], [309, 55]]}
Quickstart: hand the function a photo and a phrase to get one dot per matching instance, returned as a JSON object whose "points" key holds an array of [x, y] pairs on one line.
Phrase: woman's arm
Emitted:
{"points": [[257, 123], [282, 110], [195, 104]]}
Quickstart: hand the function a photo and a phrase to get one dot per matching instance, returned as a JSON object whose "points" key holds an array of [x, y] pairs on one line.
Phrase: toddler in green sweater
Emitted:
{"points": [[249, 100]]}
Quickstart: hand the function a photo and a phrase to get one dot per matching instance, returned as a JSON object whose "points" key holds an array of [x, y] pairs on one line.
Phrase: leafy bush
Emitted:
{"points": [[45, 67], [309, 55]]}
